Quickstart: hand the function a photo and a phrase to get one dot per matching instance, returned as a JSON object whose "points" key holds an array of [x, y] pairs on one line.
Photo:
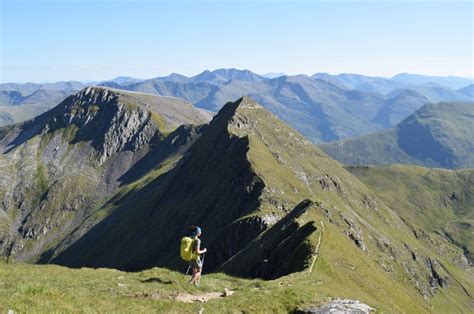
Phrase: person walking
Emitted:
{"points": [[192, 252]]}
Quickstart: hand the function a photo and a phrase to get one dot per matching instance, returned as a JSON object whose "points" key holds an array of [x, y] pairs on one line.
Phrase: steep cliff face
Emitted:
{"points": [[283, 249], [59, 166]]}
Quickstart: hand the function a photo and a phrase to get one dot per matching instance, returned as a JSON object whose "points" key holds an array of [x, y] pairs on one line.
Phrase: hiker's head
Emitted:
{"points": [[195, 231]]}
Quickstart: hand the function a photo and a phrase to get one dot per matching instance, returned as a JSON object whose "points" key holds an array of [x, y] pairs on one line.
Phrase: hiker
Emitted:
{"points": [[191, 251]]}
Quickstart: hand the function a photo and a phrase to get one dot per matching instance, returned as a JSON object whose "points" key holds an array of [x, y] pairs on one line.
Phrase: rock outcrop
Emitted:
{"points": [[338, 306]]}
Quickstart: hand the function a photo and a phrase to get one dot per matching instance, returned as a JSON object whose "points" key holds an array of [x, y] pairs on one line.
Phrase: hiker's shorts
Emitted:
{"points": [[197, 263]]}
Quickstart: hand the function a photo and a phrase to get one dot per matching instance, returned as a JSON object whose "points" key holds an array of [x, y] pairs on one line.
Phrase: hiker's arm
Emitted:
{"points": [[198, 248]]}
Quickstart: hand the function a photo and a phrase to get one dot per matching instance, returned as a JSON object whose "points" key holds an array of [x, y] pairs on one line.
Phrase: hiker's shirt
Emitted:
{"points": [[196, 263], [197, 245]]}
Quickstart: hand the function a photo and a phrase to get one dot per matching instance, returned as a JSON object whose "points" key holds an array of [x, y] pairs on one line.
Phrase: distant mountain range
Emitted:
{"points": [[436, 135], [322, 107], [21, 102]]}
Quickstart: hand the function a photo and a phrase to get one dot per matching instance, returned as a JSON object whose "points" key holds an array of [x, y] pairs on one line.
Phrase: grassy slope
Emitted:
{"points": [[440, 201], [293, 157], [436, 135], [52, 288], [339, 270], [377, 148], [47, 288], [170, 111]]}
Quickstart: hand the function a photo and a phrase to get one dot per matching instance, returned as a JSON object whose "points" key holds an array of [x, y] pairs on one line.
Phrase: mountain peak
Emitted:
{"points": [[173, 77], [246, 102], [241, 113], [206, 75], [236, 74], [96, 94], [223, 75], [111, 120], [172, 111]]}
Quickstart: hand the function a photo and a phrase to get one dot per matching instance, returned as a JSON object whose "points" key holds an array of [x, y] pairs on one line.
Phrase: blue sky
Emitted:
{"points": [[95, 40]]}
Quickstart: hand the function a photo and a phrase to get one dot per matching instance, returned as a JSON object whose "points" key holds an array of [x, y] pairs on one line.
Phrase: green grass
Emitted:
{"points": [[339, 271], [48, 288], [440, 201], [35, 289], [161, 125]]}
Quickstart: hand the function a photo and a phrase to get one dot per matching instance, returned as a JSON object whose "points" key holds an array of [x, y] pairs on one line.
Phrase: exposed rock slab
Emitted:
{"points": [[338, 306]]}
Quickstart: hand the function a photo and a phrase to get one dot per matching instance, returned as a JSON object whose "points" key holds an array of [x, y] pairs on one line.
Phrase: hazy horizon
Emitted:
{"points": [[50, 40], [194, 74]]}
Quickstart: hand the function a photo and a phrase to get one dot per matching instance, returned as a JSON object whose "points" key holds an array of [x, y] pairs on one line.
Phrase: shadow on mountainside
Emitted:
{"points": [[213, 186], [175, 144]]}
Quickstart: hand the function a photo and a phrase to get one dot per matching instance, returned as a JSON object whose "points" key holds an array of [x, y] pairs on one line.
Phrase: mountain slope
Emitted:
{"points": [[57, 167], [398, 107], [260, 190], [440, 201], [433, 93], [436, 135], [316, 108], [468, 91], [319, 110]]}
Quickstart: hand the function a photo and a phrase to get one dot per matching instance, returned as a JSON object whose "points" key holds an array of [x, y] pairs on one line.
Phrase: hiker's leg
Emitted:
{"points": [[193, 271], [196, 264], [198, 276], [199, 273], [194, 277]]}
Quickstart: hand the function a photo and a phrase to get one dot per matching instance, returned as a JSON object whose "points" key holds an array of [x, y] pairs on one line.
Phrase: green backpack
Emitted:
{"points": [[187, 250]]}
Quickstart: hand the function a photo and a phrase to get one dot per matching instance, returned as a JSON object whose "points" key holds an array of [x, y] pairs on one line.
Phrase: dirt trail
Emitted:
{"points": [[185, 297], [203, 297]]}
